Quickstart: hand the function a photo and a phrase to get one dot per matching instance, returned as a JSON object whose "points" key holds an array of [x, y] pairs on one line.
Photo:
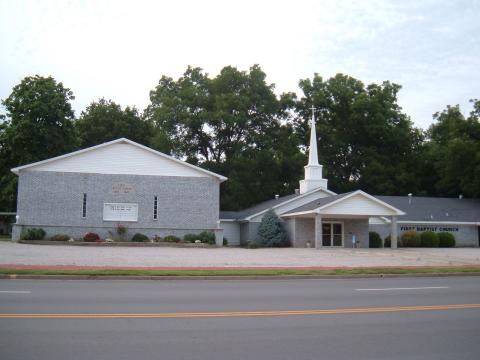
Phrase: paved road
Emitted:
{"points": [[155, 319]]}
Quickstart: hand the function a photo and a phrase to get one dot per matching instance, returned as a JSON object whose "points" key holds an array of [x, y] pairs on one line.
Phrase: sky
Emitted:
{"points": [[119, 49]]}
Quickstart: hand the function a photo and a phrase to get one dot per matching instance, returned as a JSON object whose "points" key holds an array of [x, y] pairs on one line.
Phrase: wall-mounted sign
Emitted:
{"points": [[120, 212], [122, 188], [422, 228]]}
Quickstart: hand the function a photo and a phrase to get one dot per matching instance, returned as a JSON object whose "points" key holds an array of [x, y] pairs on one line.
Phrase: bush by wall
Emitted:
{"points": [[271, 232], [446, 239], [191, 238], [410, 239], [33, 234], [207, 237], [387, 242], [171, 238], [138, 237], [60, 237], [429, 239], [374, 240], [91, 237]]}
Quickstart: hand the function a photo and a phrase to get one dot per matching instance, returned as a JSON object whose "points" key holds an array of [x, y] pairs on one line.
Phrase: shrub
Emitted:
{"points": [[207, 237], [225, 241], [252, 245], [271, 232], [171, 238], [91, 237], [33, 234], [387, 242], [191, 237], [446, 239], [410, 239], [138, 237], [374, 240], [429, 239], [60, 237]]}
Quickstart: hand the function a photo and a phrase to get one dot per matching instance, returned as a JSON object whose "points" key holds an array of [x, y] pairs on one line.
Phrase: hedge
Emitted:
{"points": [[33, 234], [410, 239], [446, 239], [429, 239], [374, 240]]}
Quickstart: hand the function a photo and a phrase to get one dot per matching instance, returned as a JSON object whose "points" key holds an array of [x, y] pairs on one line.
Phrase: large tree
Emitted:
{"points": [[105, 120], [364, 139], [38, 125], [229, 124], [453, 152]]}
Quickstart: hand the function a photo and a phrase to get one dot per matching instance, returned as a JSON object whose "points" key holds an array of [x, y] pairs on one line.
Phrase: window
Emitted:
{"points": [[84, 206], [155, 212]]}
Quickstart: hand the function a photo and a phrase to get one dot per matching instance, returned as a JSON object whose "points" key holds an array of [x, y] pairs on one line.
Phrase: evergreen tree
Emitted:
{"points": [[271, 232]]}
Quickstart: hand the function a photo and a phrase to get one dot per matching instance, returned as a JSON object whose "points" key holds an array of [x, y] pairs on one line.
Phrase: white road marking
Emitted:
{"points": [[15, 291], [406, 288]]}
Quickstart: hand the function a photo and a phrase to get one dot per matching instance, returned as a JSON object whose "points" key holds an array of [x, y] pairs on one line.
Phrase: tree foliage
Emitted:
{"points": [[271, 232], [364, 139], [104, 120], [234, 124], [453, 151], [38, 125], [229, 124]]}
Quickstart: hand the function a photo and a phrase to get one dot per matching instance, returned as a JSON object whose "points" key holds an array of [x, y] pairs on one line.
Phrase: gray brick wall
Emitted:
{"points": [[54, 201], [359, 227]]}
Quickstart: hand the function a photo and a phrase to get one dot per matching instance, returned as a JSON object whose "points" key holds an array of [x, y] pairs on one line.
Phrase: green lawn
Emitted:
{"points": [[244, 272], [5, 238]]}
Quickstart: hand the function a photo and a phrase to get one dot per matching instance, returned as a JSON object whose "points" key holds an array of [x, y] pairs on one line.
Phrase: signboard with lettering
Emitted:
{"points": [[120, 212], [421, 228], [122, 188]]}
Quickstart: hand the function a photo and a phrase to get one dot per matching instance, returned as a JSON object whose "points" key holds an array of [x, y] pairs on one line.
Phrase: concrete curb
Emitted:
{"points": [[221, 277]]}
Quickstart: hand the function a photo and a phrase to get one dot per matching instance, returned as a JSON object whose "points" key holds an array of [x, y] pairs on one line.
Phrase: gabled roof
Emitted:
{"points": [[117, 141], [258, 209], [435, 209], [322, 205]]}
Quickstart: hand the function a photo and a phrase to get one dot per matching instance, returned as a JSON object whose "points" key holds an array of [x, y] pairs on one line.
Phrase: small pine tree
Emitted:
{"points": [[271, 232]]}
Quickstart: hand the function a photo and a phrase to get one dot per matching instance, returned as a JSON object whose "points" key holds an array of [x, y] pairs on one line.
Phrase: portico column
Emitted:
{"points": [[393, 233], [318, 231]]}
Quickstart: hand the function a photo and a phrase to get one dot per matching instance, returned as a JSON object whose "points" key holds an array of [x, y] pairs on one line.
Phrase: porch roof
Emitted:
{"points": [[355, 203]]}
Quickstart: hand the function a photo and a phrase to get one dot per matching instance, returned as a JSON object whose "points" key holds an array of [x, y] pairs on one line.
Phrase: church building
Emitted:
{"points": [[122, 182]]}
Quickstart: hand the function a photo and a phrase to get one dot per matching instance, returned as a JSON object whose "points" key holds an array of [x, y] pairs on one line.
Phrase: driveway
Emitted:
{"points": [[22, 254]]}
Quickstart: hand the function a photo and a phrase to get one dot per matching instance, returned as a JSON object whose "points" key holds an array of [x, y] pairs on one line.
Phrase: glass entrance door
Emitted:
{"points": [[332, 234]]}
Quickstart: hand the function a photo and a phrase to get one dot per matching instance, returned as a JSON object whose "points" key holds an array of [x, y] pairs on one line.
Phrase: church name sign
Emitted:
{"points": [[122, 188], [422, 228], [120, 212]]}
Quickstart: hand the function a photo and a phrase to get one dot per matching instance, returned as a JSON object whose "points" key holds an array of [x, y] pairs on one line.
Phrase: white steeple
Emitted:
{"points": [[313, 171]]}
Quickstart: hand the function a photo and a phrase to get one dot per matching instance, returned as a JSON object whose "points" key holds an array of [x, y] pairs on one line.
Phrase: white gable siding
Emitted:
{"points": [[119, 158], [357, 205], [282, 209]]}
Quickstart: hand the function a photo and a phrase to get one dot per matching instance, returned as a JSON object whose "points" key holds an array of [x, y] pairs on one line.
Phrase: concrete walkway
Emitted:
{"points": [[21, 254]]}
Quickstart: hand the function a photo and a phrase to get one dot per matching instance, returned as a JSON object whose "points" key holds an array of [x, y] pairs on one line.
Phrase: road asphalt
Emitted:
{"points": [[268, 319]]}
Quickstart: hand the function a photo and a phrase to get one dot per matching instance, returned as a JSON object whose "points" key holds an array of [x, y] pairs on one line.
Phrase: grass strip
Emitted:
{"points": [[243, 272]]}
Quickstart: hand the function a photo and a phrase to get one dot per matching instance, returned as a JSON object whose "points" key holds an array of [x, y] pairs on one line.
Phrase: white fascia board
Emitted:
{"points": [[16, 170], [439, 222], [309, 212], [227, 220], [368, 196], [248, 218]]}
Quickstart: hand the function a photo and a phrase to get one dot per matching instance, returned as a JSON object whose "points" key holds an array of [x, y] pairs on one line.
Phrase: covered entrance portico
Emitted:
{"points": [[338, 221]]}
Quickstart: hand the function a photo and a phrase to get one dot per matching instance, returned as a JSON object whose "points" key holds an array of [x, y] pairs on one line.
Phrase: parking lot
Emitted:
{"points": [[22, 254]]}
